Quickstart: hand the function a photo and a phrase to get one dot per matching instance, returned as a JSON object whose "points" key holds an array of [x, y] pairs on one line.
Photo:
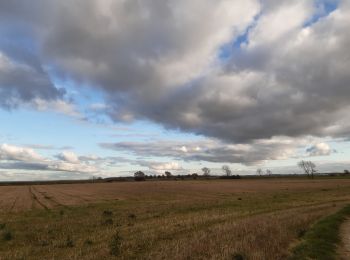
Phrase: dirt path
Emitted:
{"points": [[344, 250]]}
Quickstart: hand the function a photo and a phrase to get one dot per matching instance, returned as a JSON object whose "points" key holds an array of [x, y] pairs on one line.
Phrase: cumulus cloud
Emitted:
{"points": [[320, 149], [17, 153], [69, 157], [23, 158], [159, 60]]}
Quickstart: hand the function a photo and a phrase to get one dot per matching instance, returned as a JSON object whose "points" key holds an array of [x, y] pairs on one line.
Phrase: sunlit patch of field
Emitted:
{"points": [[216, 219]]}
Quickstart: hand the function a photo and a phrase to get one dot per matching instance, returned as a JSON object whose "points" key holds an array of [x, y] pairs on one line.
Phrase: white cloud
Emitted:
{"points": [[169, 166], [17, 153], [69, 157], [319, 149], [59, 106], [15, 157]]}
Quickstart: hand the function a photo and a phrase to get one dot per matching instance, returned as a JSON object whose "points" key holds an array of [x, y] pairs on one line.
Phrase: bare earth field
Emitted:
{"points": [[214, 219]]}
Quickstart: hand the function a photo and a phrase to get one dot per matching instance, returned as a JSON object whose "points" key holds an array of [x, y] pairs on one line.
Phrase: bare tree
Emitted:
{"points": [[168, 174], [259, 171], [139, 176], [206, 171], [226, 170], [308, 167], [268, 172]]}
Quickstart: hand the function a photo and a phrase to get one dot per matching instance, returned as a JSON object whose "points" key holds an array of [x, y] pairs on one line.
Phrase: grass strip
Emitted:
{"points": [[320, 242]]}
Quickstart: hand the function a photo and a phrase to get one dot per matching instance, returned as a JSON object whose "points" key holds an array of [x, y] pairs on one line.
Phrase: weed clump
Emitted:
{"points": [[132, 216], [88, 242], [107, 213], [2, 226], [7, 236], [107, 218], [238, 256], [69, 242], [107, 222], [115, 244], [301, 233]]}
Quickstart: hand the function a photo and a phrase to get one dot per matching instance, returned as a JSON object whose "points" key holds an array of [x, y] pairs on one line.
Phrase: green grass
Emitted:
{"points": [[320, 242]]}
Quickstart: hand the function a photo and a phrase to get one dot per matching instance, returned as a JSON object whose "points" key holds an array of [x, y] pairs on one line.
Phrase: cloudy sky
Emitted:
{"points": [[105, 88]]}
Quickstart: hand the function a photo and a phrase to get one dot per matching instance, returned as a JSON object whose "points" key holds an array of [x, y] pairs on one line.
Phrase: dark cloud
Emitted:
{"points": [[158, 60], [22, 80]]}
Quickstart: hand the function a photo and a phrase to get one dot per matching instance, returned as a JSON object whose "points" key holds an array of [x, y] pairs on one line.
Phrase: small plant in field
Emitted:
{"points": [[44, 243], [88, 242], [115, 244], [132, 216], [2, 226], [301, 232], [107, 217], [107, 213], [107, 221], [238, 256], [61, 212], [69, 242], [7, 236]]}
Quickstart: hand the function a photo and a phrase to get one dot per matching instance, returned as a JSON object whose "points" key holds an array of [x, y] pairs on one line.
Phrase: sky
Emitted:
{"points": [[106, 88]]}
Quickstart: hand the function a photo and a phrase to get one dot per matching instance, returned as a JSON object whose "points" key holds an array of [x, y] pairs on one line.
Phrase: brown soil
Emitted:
{"points": [[19, 198]]}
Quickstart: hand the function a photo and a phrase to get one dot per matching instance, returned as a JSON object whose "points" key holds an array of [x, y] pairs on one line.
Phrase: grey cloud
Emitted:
{"points": [[211, 151], [157, 60], [24, 166], [22, 83]]}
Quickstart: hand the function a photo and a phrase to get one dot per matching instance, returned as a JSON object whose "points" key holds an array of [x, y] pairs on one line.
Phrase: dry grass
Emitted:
{"points": [[256, 219]]}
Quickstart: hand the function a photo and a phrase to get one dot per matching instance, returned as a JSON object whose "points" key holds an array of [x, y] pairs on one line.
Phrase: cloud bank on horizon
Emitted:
{"points": [[256, 79]]}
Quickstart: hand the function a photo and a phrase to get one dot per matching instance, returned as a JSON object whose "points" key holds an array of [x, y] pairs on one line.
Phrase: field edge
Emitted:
{"points": [[321, 241]]}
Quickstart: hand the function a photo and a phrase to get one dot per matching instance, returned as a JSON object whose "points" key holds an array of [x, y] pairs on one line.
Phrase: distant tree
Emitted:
{"points": [[168, 174], [194, 175], [346, 172], [268, 172], [139, 176], [308, 167], [259, 171], [226, 170], [206, 171]]}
